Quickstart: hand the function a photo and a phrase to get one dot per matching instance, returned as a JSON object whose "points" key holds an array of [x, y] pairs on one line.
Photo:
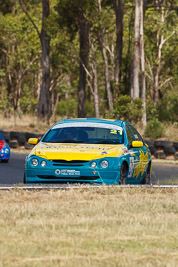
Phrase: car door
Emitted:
{"points": [[133, 157], [142, 153]]}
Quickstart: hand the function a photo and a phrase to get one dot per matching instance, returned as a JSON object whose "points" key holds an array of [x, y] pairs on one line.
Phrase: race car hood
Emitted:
{"points": [[76, 151]]}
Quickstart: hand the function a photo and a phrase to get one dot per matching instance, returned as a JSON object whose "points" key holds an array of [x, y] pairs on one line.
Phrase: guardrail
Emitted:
{"points": [[160, 149]]}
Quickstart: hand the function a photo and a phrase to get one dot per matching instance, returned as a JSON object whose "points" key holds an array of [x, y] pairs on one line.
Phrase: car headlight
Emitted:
{"points": [[93, 164], [34, 162], [43, 163], [2, 151], [6, 150], [104, 163]]}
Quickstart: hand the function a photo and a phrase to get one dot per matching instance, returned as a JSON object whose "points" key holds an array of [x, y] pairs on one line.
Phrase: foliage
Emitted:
{"points": [[128, 109], [154, 129], [20, 57], [168, 108], [151, 111], [67, 108]]}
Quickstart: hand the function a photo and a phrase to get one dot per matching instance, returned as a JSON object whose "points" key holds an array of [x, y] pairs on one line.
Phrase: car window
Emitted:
{"points": [[93, 135], [130, 136], [137, 136]]}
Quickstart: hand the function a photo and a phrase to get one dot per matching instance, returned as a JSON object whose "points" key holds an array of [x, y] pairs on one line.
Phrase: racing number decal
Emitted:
{"points": [[131, 167], [115, 132]]}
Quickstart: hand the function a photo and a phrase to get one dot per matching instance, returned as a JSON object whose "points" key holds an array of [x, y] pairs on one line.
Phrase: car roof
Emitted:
{"points": [[93, 120]]}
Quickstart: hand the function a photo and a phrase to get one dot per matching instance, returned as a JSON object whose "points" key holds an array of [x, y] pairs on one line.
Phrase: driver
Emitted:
{"points": [[70, 134]]}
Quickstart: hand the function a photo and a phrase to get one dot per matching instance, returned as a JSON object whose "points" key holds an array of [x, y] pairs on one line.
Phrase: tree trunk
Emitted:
{"points": [[143, 78], [44, 104], [95, 89], [106, 70], [84, 53], [136, 62], [119, 12]]}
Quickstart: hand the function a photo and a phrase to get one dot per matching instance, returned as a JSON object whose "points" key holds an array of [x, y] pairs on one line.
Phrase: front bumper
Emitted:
{"points": [[56, 172], [4, 156]]}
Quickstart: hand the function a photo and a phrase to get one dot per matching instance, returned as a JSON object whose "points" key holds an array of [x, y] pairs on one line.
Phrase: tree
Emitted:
{"points": [[105, 59], [136, 59], [77, 19], [44, 105], [119, 13]]}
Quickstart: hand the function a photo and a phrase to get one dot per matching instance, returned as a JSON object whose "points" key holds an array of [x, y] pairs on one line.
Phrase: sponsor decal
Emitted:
{"points": [[131, 166], [81, 148], [88, 124], [140, 167], [104, 152], [67, 172], [57, 171], [125, 150]]}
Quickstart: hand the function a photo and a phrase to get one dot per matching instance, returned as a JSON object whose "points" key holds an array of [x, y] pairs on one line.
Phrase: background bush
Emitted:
{"points": [[154, 129], [128, 109]]}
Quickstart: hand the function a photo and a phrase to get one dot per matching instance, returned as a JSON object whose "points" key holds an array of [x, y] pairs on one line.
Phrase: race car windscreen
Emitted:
{"points": [[87, 135]]}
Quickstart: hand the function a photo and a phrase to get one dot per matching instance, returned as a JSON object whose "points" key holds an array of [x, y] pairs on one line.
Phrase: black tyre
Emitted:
{"points": [[158, 144], [22, 140], [123, 174], [169, 150], [13, 144], [6, 136], [152, 149], [175, 144], [24, 179], [147, 178], [167, 143], [28, 146], [31, 135], [149, 142], [16, 135], [159, 155], [176, 156]]}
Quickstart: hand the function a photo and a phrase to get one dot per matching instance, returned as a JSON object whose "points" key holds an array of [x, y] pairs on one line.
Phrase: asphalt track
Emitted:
{"points": [[12, 173]]}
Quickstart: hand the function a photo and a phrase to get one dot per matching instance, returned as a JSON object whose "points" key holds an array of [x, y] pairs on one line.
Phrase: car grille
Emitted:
{"points": [[69, 178], [69, 163]]}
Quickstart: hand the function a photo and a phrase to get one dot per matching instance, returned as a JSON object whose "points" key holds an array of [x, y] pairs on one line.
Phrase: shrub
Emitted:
{"points": [[167, 108], [151, 111], [67, 107], [128, 109], [154, 129]]}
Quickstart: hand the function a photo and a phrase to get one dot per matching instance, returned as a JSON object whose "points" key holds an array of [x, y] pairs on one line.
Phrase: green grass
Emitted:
{"points": [[89, 227]]}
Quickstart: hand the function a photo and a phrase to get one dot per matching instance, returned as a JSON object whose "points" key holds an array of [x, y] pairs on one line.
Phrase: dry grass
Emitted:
{"points": [[89, 227], [25, 124], [30, 124]]}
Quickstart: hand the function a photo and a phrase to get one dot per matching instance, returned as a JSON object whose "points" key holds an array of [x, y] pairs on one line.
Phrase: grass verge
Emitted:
{"points": [[89, 227]]}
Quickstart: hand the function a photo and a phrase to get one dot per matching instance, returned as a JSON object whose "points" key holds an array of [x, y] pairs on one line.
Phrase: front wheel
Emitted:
{"points": [[147, 177], [123, 174]]}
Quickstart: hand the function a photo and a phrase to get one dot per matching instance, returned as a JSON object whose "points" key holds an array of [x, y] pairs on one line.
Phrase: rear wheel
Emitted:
{"points": [[147, 177], [123, 174], [24, 179]]}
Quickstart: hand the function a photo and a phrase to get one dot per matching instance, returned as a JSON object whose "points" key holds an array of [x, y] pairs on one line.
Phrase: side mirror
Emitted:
{"points": [[33, 141], [137, 144]]}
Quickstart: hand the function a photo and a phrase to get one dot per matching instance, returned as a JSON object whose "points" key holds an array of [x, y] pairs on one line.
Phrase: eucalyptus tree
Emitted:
{"points": [[19, 55], [44, 103], [119, 13], [76, 17]]}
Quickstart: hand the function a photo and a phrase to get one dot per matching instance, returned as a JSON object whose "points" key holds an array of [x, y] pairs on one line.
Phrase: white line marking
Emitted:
{"points": [[84, 186]]}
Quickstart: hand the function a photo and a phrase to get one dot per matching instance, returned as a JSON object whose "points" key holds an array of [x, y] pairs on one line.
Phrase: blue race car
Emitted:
{"points": [[4, 150], [89, 151]]}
